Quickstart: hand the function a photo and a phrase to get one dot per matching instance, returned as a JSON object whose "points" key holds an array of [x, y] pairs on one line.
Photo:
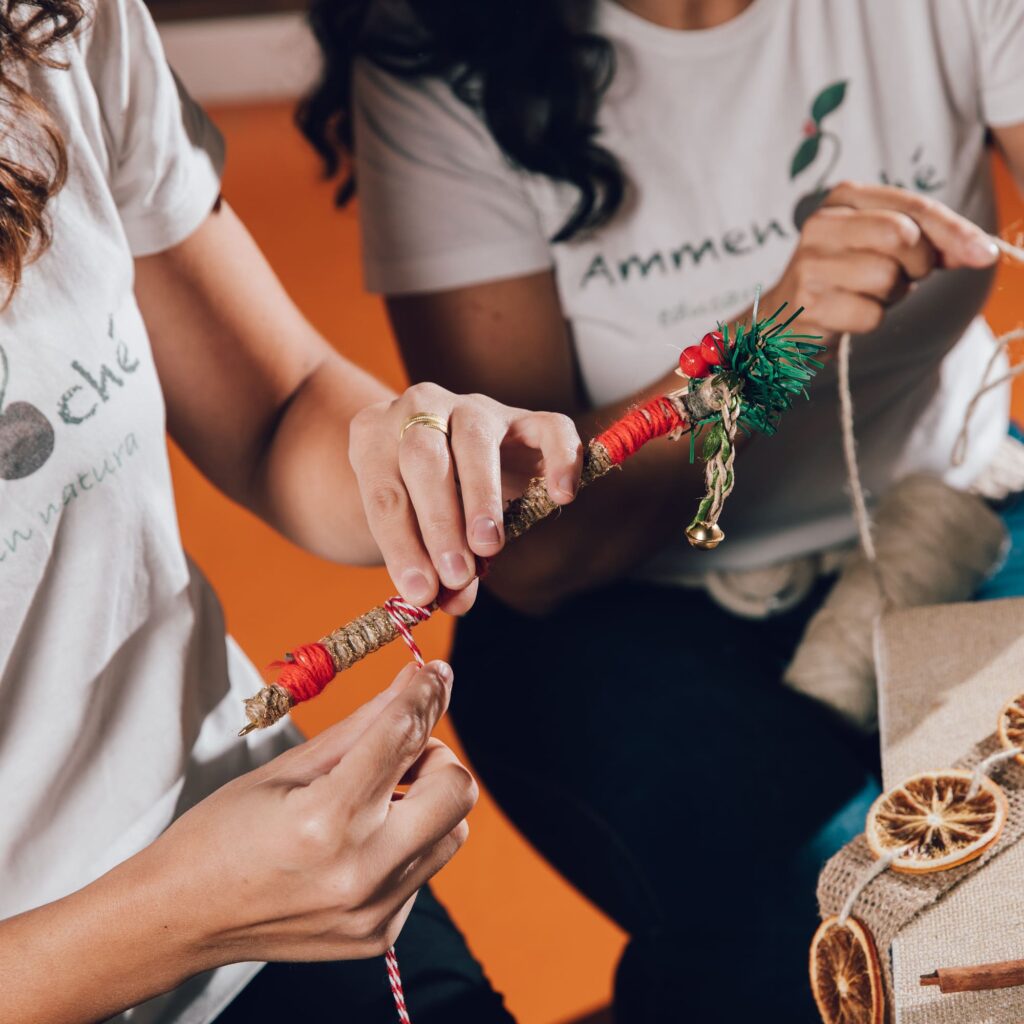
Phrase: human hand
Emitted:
{"points": [[433, 504], [310, 857], [864, 248]]}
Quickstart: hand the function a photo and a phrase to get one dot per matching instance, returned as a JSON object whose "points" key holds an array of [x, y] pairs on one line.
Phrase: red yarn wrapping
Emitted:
{"points": [[653, 419], [309, 669]]}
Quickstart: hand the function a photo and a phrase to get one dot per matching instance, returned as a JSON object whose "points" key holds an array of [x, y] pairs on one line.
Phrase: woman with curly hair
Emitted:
{"points": [[149, 859], [557, 196]]}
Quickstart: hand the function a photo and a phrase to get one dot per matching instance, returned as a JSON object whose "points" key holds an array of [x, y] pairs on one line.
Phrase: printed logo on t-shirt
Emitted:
{"points": [[26, 435], [82, 400], [819, 150], [28, 439], [923, 176], [817, 138]]}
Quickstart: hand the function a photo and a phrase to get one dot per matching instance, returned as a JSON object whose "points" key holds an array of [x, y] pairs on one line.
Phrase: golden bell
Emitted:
{"points": [[705, 536]]}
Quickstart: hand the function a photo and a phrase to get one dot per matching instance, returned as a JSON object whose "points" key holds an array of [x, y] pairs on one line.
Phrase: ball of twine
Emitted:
{"points": [[933, 545], [927, 544]]}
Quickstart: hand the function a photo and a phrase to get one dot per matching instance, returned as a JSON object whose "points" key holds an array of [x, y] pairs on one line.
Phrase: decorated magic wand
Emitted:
{"points": [[743, 381]]}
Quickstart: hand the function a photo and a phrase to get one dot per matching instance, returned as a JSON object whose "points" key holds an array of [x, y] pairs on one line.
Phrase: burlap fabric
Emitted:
{"points": [[944, 673]]}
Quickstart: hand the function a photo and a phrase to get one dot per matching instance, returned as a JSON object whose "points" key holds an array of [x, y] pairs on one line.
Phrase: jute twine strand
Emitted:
{"points": [[718, 471], [720, 454], [855, 484], [960, 448], [1016, 254], [888, 902]]}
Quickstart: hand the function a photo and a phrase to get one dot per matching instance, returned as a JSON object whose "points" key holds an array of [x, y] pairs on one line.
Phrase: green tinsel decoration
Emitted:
{"points": [[769, 366], [764, 368]]}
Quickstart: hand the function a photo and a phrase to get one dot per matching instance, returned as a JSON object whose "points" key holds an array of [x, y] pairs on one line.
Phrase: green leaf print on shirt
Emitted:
{"points": [[805, 155], [830, 98], [816, 137]]}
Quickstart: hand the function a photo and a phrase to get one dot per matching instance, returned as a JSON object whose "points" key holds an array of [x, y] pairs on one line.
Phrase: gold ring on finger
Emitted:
{"points": [[425, 419]]}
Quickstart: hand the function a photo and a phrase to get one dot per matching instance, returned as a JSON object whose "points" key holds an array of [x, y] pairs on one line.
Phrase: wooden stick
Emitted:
{"points": [[981, 978]]}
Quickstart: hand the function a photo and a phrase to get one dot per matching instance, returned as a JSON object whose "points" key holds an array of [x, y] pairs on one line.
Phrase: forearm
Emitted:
{"points": [[304, 485], [101, 950], [255, 396]]}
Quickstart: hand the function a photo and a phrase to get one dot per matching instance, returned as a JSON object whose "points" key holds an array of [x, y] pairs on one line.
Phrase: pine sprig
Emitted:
{"points": [[768, 365]]}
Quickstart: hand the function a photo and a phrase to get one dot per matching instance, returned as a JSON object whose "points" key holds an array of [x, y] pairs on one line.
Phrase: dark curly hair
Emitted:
{"points": [[33, 159], [534, 70]]}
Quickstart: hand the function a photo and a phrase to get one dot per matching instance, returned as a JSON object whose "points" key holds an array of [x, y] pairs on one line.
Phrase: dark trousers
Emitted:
{"points": [[443, 983], [642, 740]]}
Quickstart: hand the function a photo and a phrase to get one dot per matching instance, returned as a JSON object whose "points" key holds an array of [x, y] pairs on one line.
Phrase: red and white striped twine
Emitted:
{"points": [[403, 615], [396, 985]]}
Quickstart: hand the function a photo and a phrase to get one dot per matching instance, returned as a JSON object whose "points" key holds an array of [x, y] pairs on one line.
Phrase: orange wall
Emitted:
{"points": [[546, 948]]}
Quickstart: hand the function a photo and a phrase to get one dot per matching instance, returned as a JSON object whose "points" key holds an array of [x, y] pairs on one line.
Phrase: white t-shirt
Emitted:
{"points": [[120, 693], [707, 126]]}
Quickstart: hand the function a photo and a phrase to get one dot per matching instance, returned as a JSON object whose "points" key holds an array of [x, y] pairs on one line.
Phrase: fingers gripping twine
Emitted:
{"points": [[403, 615]]}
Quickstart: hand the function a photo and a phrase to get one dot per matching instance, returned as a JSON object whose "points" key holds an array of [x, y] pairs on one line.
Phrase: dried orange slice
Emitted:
{"points": [[930, 823], [845, 976], [1011, 725]]}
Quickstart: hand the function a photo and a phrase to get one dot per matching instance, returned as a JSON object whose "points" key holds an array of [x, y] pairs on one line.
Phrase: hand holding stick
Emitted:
{"points": [[308, 669], [757, 374]]}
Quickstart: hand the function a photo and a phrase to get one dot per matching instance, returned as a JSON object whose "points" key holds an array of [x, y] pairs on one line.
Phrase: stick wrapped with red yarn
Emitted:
{"points": [[308, 669], [759, 372]]}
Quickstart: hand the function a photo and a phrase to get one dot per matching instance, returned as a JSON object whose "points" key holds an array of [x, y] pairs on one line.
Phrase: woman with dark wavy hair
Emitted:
{"points": [[150, 860], [557, 196]]}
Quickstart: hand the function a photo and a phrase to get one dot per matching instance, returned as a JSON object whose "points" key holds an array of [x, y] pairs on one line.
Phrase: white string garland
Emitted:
{"points": [[879, 867], [983, 768]]}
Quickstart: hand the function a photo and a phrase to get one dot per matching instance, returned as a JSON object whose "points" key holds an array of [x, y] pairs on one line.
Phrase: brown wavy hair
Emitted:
{"points": [[33, 157]]}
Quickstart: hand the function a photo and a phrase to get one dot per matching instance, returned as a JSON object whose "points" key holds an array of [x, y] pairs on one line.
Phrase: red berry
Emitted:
{"points": [[712, 348], [692, 363], [811, 128]]}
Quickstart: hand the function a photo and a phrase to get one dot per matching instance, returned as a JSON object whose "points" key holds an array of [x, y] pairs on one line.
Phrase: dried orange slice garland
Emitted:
{"points": [[1011, 726], [933, 821], [936, 820], [845, 974]]}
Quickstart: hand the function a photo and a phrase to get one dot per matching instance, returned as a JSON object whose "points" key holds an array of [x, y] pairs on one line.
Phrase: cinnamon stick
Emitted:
{"points": [[980, 978]]}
